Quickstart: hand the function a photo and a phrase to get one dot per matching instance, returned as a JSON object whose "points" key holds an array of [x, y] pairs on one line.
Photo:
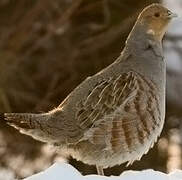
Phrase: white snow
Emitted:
{"points": [[63, 171]]}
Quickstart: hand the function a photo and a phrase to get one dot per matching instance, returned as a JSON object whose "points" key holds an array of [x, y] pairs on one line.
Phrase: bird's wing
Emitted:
{"points": [[117, 107], [105, 97]]}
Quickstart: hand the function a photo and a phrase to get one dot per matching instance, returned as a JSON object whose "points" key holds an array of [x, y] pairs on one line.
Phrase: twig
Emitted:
{"points": [[17, 38], [5, 101], [106, 38], [60, 22]]}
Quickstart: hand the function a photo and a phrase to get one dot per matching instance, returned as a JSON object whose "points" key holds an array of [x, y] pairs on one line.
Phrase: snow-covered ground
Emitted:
{"points": [[63, 171]]}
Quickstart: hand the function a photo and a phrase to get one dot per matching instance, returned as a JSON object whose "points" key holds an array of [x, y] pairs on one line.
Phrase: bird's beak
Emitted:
{"points": [[172, 15]]}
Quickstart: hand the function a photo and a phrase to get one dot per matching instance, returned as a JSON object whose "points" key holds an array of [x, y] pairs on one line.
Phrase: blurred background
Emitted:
{"points": [[48, 47]]}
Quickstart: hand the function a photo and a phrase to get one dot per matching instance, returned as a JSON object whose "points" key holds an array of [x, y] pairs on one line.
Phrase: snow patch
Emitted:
{"points": [[63, 171]]}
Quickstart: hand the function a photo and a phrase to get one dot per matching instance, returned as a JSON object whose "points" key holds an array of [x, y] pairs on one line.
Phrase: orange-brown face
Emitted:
{"points": [[156, 18]]}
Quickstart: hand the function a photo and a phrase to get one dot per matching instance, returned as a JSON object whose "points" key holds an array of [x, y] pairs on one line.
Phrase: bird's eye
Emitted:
{"points": [[169, 12], [157, 14]]}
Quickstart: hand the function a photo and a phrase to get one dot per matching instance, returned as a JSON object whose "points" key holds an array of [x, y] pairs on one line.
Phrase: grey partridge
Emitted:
{"points": [[116, 115]]}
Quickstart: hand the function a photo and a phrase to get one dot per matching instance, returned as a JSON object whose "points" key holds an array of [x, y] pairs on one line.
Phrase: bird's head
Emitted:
{"points": [[155, 19]]}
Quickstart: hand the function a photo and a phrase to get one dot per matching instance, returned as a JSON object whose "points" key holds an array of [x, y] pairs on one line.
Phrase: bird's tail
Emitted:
{"points": [[28, 123], [22, 120]]}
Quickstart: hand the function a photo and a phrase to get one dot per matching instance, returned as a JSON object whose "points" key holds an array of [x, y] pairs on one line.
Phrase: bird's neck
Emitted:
{"points": [[142, 38]]}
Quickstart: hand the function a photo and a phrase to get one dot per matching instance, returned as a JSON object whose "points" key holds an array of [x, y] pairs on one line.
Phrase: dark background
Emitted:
{"points": [[46, 49]]}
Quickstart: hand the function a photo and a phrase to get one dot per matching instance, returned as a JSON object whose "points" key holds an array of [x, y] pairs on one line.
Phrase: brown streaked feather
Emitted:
{"points": [[93, 97], [127, 118]]}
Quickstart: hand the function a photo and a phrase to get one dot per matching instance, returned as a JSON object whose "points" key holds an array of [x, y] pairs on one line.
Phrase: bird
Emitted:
{"points": [[116, 115]]}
